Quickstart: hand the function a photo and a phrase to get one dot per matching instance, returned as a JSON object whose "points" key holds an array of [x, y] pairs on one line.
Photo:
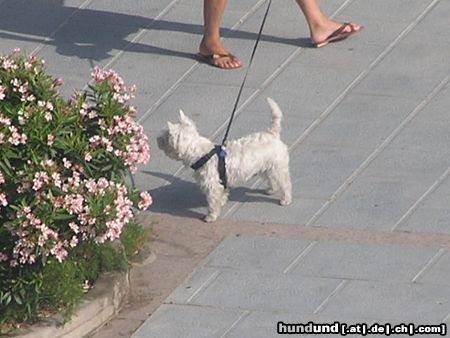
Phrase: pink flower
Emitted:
{"points": [[3, 257], [50, 139], [74, 203], [3, 200], [146, 200], [2, 93], [73, 242], [40, 178], [2, 178], [4, 120], [8, 64], [59, 252], [67, 163], [74, 227]]}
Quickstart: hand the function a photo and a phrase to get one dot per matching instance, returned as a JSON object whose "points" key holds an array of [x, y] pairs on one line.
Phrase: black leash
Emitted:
{"points": [[219, 149], [246, 73]]}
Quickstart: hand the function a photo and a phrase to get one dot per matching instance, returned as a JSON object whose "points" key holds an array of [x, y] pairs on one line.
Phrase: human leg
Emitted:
{"points": [[321, 26], [211, 45]]}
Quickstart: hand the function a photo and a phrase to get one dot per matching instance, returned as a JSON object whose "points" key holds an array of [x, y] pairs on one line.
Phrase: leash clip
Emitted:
{"points": [[222, 152]]}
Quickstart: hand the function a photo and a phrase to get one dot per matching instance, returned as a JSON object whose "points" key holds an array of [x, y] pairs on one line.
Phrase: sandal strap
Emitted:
{"points": [[338, 31]]}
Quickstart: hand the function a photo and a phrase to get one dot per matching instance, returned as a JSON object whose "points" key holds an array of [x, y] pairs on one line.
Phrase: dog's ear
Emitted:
{"points": [[185, 120], [171, 127]]}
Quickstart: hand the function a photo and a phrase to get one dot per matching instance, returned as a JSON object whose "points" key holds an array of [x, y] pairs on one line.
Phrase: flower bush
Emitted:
{"points": [[63, 168]]}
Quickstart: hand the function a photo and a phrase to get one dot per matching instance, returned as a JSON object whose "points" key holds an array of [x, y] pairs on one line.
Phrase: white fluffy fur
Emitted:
{"points": [[260, 153]]}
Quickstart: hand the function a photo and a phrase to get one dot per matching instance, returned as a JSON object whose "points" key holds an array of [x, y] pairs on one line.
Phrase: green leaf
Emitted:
{"points": [[5, 168], [62, 217], [17, 299]]}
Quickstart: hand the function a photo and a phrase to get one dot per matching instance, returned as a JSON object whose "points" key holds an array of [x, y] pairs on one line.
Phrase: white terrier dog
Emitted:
{"points": [[260, 153]]}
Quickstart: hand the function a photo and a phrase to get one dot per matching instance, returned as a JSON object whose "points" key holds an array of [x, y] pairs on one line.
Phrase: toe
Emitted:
{"points": [[352, 27]]}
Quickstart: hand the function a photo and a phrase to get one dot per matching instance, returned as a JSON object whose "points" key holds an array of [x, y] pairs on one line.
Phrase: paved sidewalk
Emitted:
{"points": [[368, 125]]}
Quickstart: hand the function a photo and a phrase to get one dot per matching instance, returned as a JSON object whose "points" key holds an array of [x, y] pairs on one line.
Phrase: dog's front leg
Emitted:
{"points": [[216, 198]]}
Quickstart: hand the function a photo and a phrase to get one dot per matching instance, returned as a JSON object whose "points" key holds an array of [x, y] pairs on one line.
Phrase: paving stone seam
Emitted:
{"points": [[364, 73], [142, 32], [297, 259], [244, 315], [446, 319], [274, 75], [196, 64], [433, 261], [307, 275], [250, 99], [333, 293], [139, 35], [48, 38], [347, 183], [345, 92], [422, 198], [204, 285]]}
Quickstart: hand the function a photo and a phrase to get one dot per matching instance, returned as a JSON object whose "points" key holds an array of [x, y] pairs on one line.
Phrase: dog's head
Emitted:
{"points": [[178, 138]]}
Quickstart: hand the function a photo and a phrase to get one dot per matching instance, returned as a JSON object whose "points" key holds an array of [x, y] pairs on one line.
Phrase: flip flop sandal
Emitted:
{"points": [[338, 35], [214, 58]]}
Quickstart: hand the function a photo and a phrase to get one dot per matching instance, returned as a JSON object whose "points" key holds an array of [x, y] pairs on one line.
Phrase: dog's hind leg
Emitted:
{"points": [[283, 179], [272, 186]]}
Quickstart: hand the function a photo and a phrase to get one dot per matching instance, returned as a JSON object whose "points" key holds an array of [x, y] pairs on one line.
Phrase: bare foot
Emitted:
{"points": [[215, 53], [324, 31]]}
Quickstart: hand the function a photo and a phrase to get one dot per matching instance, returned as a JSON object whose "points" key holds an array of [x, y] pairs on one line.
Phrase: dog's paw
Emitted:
{"points": [[285, 202], [270, 191], [210, 218]]}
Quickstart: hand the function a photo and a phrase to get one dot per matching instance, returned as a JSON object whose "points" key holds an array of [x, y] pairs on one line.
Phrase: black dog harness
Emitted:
{"points": [[221, 154]]}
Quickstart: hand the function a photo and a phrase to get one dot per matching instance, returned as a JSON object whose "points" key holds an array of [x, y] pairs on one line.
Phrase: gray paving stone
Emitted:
{"points": [[415, 72], [354, 123], [411, 160], [367, 262], [195, 101], [190, 321], [23, 23], [200, 277], [427, 132], [433, 26], [244, 5], [439, 272], [25, 18], [318, 170], [250, 121], [417, 303], [376, 201], [257, 207], [263, 290], [256, 253], [428, 220], [385, 11], [306, 89], [143, 9], [264, 324]]}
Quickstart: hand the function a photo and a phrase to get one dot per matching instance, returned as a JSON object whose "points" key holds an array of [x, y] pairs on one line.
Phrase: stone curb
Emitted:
{"points": [[101, 303]]}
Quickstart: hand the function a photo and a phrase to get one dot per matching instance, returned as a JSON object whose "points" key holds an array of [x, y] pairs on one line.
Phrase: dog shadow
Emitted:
{"points": [[185, 199]]}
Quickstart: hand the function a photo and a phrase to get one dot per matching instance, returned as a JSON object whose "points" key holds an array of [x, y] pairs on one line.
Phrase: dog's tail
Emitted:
{"points": [[275, 129]]}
